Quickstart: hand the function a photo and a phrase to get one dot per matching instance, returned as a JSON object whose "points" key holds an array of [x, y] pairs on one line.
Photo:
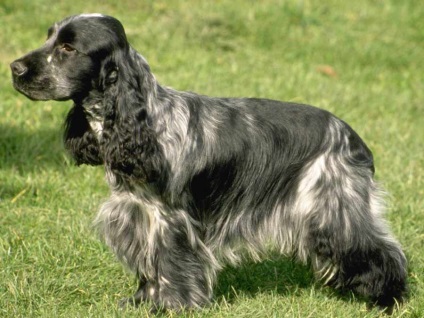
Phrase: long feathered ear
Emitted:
{"points": [[80, 140], [129, 141]]}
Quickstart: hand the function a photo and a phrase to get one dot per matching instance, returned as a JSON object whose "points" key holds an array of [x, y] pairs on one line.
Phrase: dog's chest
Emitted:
{"points": [[130, 222]]}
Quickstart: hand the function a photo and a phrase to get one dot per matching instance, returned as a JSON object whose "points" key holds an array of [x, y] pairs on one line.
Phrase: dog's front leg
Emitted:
{"points": [[185, 270], [141, 295]]}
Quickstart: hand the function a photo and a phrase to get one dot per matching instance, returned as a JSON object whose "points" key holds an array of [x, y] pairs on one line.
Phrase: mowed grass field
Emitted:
{"points": [[362, 60]]}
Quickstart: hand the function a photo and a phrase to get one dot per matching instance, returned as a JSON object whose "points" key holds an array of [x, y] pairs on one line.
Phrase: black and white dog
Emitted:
{"points": [[197, 182]]}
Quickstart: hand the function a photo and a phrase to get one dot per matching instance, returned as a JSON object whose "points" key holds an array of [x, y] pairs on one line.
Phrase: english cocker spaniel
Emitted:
{"points": [[197, 182]]}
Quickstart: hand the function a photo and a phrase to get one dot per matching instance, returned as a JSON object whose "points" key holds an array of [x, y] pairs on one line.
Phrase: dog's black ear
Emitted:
{"points": [[129, 140], [80, 140]]}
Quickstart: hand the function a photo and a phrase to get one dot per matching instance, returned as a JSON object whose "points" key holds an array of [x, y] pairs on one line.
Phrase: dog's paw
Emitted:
{"points": [[133, 301], [129, 302]]}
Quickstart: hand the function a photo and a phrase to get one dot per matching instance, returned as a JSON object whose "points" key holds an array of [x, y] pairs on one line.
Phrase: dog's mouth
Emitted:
{"points": [[33, 92]]}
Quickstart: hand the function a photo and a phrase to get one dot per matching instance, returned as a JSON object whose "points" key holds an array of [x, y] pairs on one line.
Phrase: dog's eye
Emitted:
{"points": [[67, 48]]}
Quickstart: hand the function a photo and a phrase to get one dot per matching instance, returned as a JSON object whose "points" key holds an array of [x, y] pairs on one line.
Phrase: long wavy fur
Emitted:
{"points": [[196, 182]]}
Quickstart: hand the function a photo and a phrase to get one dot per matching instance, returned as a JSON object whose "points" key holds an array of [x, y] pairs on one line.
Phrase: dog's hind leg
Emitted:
{"points": [[349, 242]]}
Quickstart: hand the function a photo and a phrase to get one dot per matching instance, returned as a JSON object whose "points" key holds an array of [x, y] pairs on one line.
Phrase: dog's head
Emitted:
{"points": [[73, 61]]}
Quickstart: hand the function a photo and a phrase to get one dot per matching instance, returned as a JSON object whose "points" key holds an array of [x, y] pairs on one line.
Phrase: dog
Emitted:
{"points": [[199, 182]]}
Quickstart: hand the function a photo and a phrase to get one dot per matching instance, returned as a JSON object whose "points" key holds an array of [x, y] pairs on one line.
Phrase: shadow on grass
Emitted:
{"points": [[22, 151], [23, 155], [279, 275]]}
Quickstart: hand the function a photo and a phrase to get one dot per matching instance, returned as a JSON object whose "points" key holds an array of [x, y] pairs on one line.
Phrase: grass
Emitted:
{"points": [[360, 59]]}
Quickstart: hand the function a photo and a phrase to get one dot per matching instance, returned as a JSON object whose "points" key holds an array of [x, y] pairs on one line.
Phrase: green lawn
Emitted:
{"points": [[362, 60]]}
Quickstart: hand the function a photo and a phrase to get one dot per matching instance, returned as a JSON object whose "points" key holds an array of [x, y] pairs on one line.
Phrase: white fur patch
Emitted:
{"points": [[90, 15], [306, 190], [97, 127], [152, 291]]}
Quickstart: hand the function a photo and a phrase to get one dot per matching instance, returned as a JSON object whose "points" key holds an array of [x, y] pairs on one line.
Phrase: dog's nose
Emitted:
{"points": [[18, 68]]}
